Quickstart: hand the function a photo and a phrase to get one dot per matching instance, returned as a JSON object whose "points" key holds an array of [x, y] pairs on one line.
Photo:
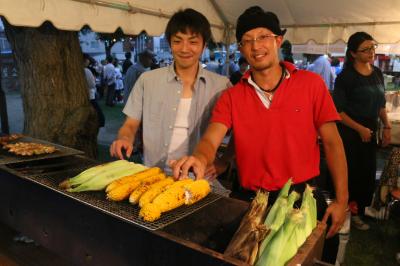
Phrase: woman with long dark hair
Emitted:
{"points": [[360, 100]]}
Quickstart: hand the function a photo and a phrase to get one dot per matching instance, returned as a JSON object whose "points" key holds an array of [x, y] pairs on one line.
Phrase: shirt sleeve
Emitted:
{"points": [[134, 104], [324, 108], [222, 112]]}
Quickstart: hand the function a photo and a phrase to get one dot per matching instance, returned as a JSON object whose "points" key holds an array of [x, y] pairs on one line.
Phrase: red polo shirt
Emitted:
{"points": [[277, 143]]}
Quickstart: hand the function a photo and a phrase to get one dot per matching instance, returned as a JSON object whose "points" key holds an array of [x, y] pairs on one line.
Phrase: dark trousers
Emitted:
{"points": [[331, 245], [110, 95], [361, 165]]}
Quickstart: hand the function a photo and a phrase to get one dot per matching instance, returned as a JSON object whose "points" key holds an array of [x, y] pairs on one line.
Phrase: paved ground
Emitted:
{"points": [[16, 120]]}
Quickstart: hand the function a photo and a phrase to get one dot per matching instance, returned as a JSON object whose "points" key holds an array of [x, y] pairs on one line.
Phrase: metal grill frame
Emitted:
{"points": [[97, 199]]}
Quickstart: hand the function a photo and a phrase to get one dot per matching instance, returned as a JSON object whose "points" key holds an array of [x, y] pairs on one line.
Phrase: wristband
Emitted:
{"points": [[387, 127]]}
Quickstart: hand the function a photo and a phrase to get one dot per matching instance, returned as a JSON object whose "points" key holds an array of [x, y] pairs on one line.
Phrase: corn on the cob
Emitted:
{"points": [[123, 191], [154, 191], [196, 191], [137, 193], [150, 212], [137, 176], [144, 186], [173, 196]]}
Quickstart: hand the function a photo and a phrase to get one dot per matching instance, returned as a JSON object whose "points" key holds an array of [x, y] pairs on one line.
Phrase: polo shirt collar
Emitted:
{"points": [[289, 68], [172, 76]]}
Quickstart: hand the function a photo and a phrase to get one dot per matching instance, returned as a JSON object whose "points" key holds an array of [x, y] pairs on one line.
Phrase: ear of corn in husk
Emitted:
{"points": [[278, 212], [92, 172], [123, 191], [297, 226], [134, 177], [245, 242], [280, 249], [100, 181]]}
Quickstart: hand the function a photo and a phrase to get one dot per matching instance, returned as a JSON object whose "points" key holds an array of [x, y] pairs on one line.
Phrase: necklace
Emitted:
{"points": [[271, 91]]}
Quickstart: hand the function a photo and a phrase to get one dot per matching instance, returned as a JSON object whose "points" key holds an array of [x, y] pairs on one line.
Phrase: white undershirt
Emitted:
{"points": [[180, 132], [264, 99]]}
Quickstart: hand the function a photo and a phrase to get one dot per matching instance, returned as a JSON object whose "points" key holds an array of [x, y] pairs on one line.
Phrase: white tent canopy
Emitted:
{"points": [[319, 21]]}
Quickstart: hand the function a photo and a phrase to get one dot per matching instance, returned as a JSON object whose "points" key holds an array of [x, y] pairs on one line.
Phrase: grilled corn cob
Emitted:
{"points": [[173, 197], [138, 176], [196, 191], [154, 190], [150, 212], [123, 191], [143, 187]]}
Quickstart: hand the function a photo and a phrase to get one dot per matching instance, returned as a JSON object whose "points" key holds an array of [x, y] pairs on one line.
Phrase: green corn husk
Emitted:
{"points": [[278, 212], [298, 225], [280, 249], [100, 182], [91, 172]]}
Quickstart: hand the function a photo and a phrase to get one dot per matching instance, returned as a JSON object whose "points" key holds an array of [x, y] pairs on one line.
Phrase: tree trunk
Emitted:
{"points": [[53, 87]]}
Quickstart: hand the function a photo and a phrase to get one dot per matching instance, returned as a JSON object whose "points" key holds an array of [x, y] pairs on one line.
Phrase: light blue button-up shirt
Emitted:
{"points": [[154, 100]]}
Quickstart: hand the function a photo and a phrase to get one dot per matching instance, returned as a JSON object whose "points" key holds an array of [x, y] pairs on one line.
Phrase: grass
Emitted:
{"points": [[377, 246]]}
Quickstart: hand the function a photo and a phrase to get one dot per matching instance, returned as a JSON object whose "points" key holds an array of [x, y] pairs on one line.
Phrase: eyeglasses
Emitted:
{"points": [[261, 39], [368, 49]]}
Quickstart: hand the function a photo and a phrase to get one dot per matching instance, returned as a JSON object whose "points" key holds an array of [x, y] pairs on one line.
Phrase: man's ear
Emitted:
{"points": [[279, 41]]}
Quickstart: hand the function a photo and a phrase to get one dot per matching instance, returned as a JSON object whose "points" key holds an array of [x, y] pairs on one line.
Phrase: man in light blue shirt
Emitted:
{"points": [[322, 67], [155, 101]]}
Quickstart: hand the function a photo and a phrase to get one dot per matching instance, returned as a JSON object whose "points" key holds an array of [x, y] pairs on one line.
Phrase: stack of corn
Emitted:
{"points": [[156, 193], [181, 192], [290, 227]]}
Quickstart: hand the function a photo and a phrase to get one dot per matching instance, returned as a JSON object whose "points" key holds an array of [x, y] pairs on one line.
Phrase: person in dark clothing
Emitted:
{"points": [[360, 100], [127, 63], [286, 50], [243, 67]]}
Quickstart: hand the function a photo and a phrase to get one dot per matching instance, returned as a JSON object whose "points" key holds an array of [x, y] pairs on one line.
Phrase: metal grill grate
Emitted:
{"points": [[62, 151], [121, 210]]}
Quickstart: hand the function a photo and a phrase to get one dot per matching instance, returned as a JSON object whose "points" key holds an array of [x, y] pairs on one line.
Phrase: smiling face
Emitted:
{"points": [[365, 53], [186, 49], [260, 48]]}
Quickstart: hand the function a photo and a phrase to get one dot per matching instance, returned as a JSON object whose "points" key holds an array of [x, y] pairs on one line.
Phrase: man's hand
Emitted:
{"points": [[181, 167], [337, 212], [118, 145]]}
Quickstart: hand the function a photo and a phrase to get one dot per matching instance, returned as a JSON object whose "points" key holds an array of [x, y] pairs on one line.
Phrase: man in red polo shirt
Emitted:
{"points": [[276, 113]]}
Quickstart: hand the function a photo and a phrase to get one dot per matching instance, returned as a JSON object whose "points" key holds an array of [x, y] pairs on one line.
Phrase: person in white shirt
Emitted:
{"points": [[109, 80]]}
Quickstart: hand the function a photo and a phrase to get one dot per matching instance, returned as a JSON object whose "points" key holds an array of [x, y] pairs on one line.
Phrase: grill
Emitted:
{"points": [[49, 173], [62, 151]]}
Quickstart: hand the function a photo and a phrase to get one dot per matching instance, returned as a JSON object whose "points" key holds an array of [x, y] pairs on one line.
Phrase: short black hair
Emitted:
{"points": [[188, 20], [128, 55]]}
